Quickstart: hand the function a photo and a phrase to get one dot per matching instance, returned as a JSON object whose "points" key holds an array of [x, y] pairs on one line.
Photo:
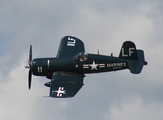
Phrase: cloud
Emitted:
{"points": [[102, 25], [135, 108]]}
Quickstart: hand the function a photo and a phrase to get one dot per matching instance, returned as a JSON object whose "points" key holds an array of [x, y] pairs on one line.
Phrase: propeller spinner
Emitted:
{"points": [[30, 67]]}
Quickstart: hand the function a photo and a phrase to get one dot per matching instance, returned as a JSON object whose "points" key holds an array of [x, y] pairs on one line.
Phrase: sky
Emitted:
{"points": [[100, 24]]}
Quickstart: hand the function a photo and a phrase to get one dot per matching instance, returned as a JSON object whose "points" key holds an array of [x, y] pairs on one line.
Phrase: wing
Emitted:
{"points": [[70, 46], [65, 85]]}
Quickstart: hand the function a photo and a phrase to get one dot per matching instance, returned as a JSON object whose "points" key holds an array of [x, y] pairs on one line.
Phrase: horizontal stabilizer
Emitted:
{"points": [[135, 66]]}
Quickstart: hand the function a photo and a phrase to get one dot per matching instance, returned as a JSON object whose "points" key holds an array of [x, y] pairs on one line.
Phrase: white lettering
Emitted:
{"points": [[116, 64], [123, 54], [131, 51], [39, 69], [71, 41]]}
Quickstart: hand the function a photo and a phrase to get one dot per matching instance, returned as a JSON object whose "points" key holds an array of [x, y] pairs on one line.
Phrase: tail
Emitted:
{"points": [[135, 57]]}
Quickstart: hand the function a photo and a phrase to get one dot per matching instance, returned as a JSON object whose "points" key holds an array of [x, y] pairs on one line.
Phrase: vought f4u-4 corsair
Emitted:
{"points": [[69, 67]]}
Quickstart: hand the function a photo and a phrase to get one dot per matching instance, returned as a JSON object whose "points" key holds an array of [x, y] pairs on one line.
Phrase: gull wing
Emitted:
{"points": [[65, 85], [69, 47]]}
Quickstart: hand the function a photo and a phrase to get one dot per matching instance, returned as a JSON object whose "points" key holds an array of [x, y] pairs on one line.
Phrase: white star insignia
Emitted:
{"points": [[94, 66], [60, 91]]}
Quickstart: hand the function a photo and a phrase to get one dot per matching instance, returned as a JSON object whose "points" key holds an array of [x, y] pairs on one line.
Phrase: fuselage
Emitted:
{"points": [[93, 64]]}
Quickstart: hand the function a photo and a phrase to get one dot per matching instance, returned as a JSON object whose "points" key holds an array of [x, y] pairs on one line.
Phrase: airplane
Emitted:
{"points": [[67, 70]]}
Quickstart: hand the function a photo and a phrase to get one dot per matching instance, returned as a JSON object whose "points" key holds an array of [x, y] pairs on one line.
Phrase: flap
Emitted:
{"points": [[64, 85], [70, 46]]}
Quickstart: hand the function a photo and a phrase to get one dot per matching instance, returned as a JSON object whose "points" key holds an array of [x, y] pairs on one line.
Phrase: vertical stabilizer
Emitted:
{"points": [[135, 57], [128, 51]]}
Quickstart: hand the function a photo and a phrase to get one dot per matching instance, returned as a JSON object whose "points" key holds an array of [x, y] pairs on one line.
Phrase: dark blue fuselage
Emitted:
{"points": [[93, 64]]}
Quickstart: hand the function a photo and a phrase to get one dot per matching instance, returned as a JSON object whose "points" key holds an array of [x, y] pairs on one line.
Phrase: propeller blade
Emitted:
{"points": [[30, 53], [29, 78], [30, 67]]}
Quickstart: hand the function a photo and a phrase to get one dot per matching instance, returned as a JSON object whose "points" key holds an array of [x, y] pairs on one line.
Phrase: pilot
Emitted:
{"points": [[81, 59], [85, 57]]}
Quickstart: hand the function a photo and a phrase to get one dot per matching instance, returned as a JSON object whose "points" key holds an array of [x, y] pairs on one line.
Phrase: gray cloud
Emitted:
{"points": [[101, 24]]}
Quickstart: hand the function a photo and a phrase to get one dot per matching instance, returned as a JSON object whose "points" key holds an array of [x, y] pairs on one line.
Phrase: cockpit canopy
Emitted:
{"points": [[82, 56]]}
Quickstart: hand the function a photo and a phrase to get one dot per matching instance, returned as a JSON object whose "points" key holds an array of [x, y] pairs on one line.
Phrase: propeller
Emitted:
{"points": [[30, 67]]}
